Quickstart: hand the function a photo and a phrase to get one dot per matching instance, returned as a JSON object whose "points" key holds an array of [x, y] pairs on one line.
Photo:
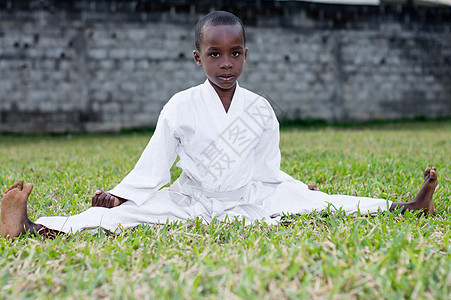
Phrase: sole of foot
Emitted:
{"points": [[14, 216]]}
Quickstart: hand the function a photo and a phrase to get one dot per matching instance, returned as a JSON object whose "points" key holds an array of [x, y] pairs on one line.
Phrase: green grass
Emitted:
{"points": [[312, 256]]}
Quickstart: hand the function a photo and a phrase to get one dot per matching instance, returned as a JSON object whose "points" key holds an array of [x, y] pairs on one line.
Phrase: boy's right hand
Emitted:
{"points": [[105, 199]]}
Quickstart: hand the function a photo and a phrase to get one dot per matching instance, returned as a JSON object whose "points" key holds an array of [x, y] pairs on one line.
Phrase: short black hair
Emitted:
{"points": [[216, 18]]}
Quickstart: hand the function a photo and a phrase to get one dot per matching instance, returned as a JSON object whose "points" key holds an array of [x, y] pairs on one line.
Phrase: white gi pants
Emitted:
{"points": [[184, 200]]}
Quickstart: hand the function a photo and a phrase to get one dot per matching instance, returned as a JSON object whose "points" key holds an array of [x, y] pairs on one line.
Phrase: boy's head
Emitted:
{"points": [[216, 18], [221, 49]]}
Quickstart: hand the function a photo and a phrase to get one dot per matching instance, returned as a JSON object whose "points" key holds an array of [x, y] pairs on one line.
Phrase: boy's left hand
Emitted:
{"points": [[313, 187]]}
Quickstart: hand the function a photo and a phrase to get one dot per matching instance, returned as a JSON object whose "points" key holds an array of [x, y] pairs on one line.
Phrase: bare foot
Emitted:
{"points": [[14, 217], [423, 200]]}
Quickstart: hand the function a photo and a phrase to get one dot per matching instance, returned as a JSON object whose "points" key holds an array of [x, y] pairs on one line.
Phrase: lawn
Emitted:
{"points": [[309, 256]]}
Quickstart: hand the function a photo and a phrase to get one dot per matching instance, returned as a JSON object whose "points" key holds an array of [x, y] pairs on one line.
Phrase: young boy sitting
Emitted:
{"points": [[227, 139]]}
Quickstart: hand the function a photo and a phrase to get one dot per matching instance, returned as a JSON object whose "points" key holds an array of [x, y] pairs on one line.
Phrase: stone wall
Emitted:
{"points": [[109, 65]]}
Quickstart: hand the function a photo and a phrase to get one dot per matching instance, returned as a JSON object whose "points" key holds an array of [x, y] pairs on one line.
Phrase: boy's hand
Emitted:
{"points": [[313, 187], [104, 199]]}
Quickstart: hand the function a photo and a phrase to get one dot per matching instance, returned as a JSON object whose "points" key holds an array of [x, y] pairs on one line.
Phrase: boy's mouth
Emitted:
{"points": [[226, 77]]}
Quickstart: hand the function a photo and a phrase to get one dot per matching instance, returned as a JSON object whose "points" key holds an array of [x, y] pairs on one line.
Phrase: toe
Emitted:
{"points": [[27, 188], [20, 184], [433, 174], [17, 184], [426, 172]]}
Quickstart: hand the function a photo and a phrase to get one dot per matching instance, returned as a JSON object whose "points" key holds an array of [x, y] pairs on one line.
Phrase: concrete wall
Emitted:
{"points": [[95, 68]]}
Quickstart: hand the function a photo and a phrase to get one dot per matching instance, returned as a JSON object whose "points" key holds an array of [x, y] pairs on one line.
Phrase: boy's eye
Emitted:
{"points": [[214, 54], [236, 53]]}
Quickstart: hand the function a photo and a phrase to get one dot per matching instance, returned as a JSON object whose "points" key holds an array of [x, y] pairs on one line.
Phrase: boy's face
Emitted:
{"points": [[222, 55]]}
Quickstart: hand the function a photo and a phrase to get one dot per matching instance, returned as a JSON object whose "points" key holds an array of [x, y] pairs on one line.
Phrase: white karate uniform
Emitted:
{"points": [[231, 168]]}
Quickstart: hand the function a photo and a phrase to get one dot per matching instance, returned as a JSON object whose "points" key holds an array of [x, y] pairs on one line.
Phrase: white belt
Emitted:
{"points": [[235, 194], [194, 185]]}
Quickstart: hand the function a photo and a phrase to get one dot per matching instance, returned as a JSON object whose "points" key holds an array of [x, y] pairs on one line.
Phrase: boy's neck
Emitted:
{"points": [[226, 96]]}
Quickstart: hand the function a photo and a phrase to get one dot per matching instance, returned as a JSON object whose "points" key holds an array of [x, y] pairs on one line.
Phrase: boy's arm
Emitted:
{"points": [[152, 171], [267, 153], [268, 157]]}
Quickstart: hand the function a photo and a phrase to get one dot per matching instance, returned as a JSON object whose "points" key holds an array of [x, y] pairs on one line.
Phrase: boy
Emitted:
{"points": [[227, 139]]}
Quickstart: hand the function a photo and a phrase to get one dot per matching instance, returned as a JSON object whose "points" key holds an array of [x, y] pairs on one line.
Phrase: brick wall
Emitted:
{"points": [[93, 66]]}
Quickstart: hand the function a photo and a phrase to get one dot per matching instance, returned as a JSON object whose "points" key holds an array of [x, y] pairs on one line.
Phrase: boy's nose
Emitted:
{"points": [[226, 64]]}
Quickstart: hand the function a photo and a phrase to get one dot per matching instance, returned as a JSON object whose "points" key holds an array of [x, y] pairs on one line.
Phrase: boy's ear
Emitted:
{"points": [[196, 56], [245, 53]]}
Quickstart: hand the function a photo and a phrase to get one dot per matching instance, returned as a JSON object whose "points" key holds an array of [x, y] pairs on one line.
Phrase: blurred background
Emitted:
{"points": [[104, 66]]}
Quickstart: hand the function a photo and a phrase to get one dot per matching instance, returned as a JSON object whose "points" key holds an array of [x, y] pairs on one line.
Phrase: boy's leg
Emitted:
{"points": [[295, 197], [423, 200]]}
